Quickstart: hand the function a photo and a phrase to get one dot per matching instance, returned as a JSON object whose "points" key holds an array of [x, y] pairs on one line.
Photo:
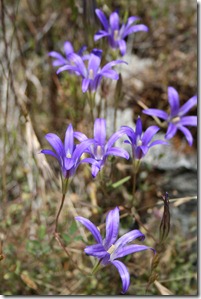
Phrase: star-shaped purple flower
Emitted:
{"points": [[100, 149], [109, 249], [92, 74], [60, 60], [116, 35], [139, 141], [67, 154], [176, 119]]}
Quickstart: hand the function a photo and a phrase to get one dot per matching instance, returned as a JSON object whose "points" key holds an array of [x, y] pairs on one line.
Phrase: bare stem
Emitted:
{"points": [[58, 213]]}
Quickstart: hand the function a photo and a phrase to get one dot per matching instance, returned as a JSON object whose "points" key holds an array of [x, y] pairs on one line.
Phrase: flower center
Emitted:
{"points": [[99, 152], [68, 155], [91, 74], [111, 249], [139, 143], [175, 119], [116, 35]]}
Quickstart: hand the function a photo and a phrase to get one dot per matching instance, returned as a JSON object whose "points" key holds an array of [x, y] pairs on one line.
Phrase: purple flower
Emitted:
{"points": [[100, 149], [68, 49], [176, 119], [67, 154], [140, 142], [92, 74], [116, 35], [109, 249]]}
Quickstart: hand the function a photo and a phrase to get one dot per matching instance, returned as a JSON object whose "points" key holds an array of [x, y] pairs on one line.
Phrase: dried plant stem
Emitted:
{"points": [[136, 165]]}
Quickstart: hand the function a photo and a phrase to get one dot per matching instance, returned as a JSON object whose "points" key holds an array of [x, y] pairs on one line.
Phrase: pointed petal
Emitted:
{"points": [[171, 131], [135, 28], [126, 250], [173, 99], [131, 20], [95, 169], [112, 74], [187, 134], [122, 47], [80, 136], [81, 148], [138, 128], [56, 144], [114, 138], [93, 64], [96, 250], [115, 151], [129, 237], [91, 227], [68, 163], [188, 105], [68, 48], [100, 34], [67, 68], [77, 60], [114, 21], [156, 112], [189, 121], [110, 64], [60, 60], [124, 274], [100, 131], [130, 133], [156, 142], [112, 227], [81, 50], [85, 84], [149, 134], [102, 18], [69, 141], [51, 153], [144, 149]]}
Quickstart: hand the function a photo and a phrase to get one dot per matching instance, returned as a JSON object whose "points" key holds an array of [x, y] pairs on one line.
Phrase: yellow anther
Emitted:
{"points": [[176, 119], [91, 74], [139, 143], [116, 34], [68, 155], [111, 249]]}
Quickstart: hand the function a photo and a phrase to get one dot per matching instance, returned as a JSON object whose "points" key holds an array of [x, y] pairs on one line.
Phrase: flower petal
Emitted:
{"points": [[81, 148], [85, 84], [68, 48], [189, 121], [173, 99], [69, 141], [60, 60], [67, 68], [115, 151], [100, 34], [122, 47], [51, 153], [80, 136], [112, 74], [156, 142], [112, 227], [102, 18], [110, 64], [114, 21], [130, 133], [91, 227], [100, 131], [77, 60], [156, 112], [93, 65], [149, 134], [135, 28], [69, 163], [56, 143], [114, 138], [96, 250], [171, 131], [126, 250], [124, 274], [138, 127], [187, 134], [129, 237], [188, 105]]}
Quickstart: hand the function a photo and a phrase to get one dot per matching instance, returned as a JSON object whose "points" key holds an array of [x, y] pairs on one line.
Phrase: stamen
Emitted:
{"points": [[175, 119], [116, 34], [139, 143], [91, 74], [99, 152], [68, 155], [111, 249]]}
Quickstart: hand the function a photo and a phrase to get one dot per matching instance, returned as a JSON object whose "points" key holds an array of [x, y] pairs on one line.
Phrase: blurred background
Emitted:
{"points": [[35, 101]]}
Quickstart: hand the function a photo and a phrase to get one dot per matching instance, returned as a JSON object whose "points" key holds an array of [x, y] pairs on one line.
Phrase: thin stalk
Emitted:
{"points": [[64, 190], [91, 101], [136, 165]]}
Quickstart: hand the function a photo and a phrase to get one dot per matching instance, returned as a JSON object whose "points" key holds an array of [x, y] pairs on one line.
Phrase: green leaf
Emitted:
{"points": [[121, 182]]}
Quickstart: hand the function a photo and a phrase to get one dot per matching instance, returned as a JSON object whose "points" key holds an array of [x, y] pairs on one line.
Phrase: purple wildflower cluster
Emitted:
{"points": [[96, 150]]}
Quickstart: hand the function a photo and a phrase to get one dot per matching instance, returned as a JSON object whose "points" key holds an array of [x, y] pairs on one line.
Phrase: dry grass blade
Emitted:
{"points": [[163, 290]]}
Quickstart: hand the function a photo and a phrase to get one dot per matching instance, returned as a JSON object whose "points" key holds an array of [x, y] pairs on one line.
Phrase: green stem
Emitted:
{"points": [[64, 190], [136, 166]]}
